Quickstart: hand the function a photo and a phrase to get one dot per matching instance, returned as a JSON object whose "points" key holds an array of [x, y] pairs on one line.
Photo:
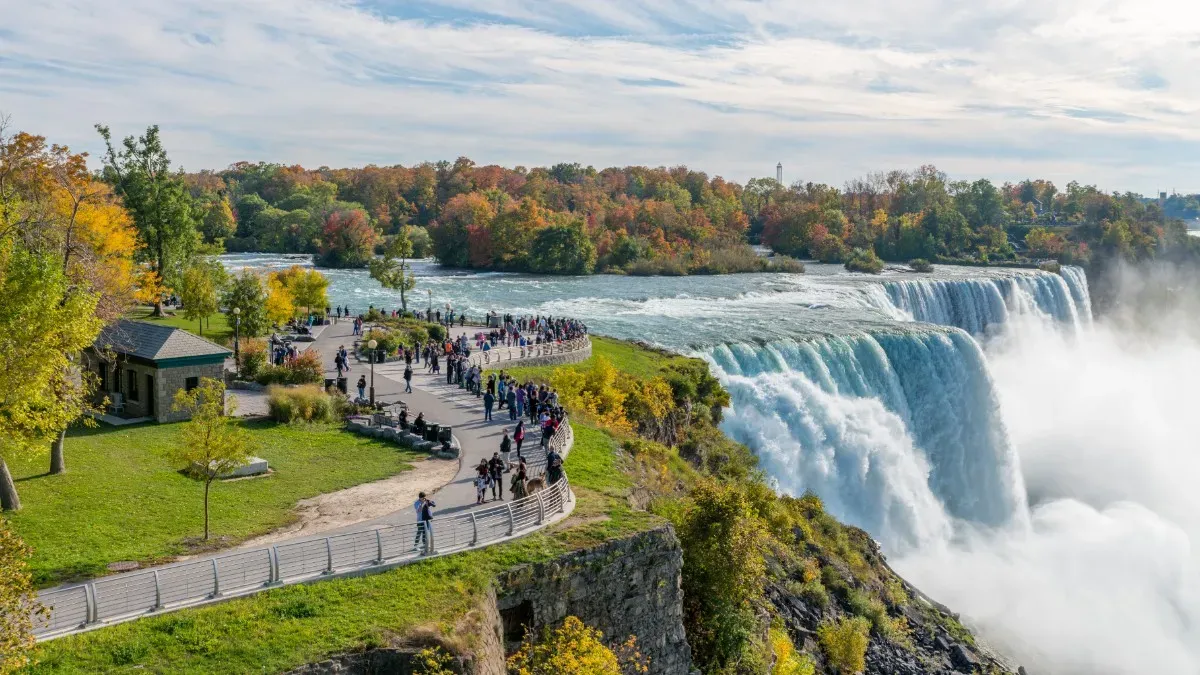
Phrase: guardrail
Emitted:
{"points": [[124, 597], [497, 355]]}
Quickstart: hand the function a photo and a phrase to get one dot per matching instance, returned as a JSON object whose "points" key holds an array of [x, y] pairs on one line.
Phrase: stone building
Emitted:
{"points": [[141, 365]]}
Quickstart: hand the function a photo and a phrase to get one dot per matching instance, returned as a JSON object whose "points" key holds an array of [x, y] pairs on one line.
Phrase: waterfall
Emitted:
{"points": [[980, 305], [899, 433]]}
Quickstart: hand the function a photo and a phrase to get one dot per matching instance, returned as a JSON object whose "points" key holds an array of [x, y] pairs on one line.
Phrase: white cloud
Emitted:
{"points": [[1003, 88]]}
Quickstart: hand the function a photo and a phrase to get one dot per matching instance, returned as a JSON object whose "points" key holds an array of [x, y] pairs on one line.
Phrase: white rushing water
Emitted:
{"points": [[1019, 462]]}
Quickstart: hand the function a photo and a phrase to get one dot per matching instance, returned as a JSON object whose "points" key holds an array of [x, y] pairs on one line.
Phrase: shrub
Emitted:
{"points": [[788, 264], [252, 358], [864, 260], [302, 404], [844, 643], [920, 265], [1051, 267], [664, 266], [572, 649], [304, 369], [787, 660], [436, 333]]}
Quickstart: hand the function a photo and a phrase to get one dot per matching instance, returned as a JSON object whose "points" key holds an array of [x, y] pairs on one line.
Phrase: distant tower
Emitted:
{"points": [[779, 172]]}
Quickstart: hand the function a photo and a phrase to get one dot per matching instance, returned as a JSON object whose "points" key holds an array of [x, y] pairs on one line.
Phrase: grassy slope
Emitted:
{"points": [[122, 499], [284, 628], [216, 328], [627, 357]]}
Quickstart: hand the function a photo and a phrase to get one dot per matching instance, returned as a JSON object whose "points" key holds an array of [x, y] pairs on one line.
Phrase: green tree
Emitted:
{"points": [[18, 602], [212, 444], [199, 290], [562, 249], [246, 292], [157, 198], [37, 340], [393, 270]]}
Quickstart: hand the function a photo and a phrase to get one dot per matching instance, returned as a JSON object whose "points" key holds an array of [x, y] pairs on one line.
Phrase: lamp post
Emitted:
{"points": [[371, 345], [237, 329]]}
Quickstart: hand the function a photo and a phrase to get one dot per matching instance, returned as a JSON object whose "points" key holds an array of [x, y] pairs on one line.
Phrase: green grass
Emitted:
{"points": [[216, 327], [626, 357], [284, 628], [123, 499]]}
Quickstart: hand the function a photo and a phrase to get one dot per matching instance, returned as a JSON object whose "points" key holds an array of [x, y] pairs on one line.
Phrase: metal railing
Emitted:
{"points": [[127, 596], [504, 354]]}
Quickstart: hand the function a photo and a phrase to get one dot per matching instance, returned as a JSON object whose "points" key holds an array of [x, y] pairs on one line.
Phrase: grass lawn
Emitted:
{"points": [[625, 356], [284, 628], [122, 498], [216, 327]]}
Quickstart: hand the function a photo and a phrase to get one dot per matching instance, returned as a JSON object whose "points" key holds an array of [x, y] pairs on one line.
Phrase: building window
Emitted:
{"points": [[191, 383], [131, 389]]}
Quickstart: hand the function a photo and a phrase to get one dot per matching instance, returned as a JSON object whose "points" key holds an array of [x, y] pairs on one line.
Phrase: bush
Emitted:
{"points": [[1051, 267], [920, 265], [436, 333], [786, 264], [864, 260], [574, 649], [787, 660], [304, 369], [845, 643], [252, 358], [664, 266], [302, 404]]}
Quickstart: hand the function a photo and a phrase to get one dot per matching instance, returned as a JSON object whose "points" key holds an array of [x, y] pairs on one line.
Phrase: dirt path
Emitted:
{"points": [[356, 504]]}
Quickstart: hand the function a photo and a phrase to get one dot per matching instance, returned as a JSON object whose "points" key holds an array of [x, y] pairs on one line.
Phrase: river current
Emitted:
{"points": [[952, 415]]}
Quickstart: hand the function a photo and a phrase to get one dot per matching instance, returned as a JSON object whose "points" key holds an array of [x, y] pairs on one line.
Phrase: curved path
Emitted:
{"points": [[369, 545]]}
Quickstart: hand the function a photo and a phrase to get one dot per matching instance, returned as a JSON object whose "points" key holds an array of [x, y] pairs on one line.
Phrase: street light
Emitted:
{"points": [[371, 345], [237, 325]]}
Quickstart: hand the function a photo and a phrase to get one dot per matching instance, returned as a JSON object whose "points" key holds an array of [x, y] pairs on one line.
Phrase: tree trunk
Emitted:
{"points": [[158, 310], [9, 500], [58, 462], [206, 486], [201, 322]]}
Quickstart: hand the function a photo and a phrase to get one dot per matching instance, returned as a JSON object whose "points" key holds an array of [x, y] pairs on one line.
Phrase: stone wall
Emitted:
{"points": [[623, 587], [170, 380]]}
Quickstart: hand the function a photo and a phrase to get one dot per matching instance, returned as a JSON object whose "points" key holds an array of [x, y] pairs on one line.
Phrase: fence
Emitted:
{"points": [[127, 596], [505, 354]]}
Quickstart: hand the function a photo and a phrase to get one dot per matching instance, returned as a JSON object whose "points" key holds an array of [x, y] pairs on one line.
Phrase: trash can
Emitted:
{"points": [[431, 432], [328, 383], [444, 434], [341, 385]]}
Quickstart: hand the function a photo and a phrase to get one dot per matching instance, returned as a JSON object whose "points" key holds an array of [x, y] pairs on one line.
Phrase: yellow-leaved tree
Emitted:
{"points": [[597, 391], [279, 301], [574, 648], [44, 320], [18, 604], [212, 444]]}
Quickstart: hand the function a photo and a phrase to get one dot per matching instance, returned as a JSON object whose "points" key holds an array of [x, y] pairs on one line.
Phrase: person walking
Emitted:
{"points": [[488, 401], [496, 470], [481, 483], [362, 386], [339, 362], [519, 436], [512, 404], [424, 509], [408, 379]]}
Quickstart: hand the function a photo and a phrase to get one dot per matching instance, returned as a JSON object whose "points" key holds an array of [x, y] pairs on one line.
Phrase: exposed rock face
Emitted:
{"points": [[623, 587]]}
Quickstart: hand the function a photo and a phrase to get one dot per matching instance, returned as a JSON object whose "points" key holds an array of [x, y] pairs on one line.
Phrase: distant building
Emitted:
{"points": [[779, 173], [141, 365]]}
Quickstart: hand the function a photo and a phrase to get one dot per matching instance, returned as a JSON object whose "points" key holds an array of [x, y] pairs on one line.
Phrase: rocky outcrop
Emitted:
{"points": [[623, 587]]}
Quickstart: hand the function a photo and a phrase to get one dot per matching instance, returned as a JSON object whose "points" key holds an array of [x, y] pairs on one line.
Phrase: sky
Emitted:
{"points": [[1103, 92]]}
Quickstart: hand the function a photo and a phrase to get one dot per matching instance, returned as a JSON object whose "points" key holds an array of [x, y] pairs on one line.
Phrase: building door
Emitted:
{"points": [[151, 399]]}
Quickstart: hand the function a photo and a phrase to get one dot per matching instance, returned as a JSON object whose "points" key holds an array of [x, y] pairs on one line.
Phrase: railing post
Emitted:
{"points": [[511, 520], [157, 592], [328, 556], [273, 577], [89, 600], [541, 508], [562, 497], [216, 579], [378, 547], [474, 529]]}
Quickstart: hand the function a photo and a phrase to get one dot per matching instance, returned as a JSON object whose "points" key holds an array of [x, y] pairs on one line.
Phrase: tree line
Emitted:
{"points": [[571, 219]]}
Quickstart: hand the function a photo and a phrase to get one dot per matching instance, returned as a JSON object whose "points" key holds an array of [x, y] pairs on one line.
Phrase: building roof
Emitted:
{"points": [[161, 344]]}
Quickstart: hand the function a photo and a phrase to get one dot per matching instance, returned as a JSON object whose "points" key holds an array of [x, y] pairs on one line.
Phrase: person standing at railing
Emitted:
{"points": [[519, 478], [424, 508], [554, 464]]}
